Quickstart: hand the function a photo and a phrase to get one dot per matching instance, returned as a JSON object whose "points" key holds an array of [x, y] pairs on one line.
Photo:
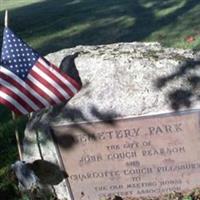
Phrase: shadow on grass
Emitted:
{"points": [[50, 26]]}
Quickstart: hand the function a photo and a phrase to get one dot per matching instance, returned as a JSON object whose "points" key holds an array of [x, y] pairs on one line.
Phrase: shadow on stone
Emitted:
{"points": [[74, 115], [30, 175], [117, 198], [67, 65], [180, 98], [194, 81], [186, 95], [66, 141], [47, 172], [106, 117], [183, 69]]}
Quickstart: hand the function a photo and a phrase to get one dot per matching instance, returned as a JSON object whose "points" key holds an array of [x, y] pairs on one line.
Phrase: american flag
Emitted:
{"points": [[28, 82]]}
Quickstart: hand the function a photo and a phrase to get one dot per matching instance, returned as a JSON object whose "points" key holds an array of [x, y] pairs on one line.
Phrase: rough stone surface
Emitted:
{"points": [[119, 80]]}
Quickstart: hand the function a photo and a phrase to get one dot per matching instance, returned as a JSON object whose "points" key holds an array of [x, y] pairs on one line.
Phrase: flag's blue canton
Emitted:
{"points": [[16, 55]]}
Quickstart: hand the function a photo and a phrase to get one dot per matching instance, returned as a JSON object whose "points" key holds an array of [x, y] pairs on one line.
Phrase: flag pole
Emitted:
{"points": [[13, 114], [17, 137], [6, 19]]}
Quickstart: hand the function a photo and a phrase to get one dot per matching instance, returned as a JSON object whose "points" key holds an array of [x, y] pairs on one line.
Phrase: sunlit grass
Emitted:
{"points": [[166, 10], [11, 4], [177, 33]]}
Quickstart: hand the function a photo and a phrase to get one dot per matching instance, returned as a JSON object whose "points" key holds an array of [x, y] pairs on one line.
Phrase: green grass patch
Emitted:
{"points": [[11, 4], [53, 25]]}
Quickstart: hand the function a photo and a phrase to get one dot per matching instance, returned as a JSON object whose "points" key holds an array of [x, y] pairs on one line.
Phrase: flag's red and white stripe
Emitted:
{"points": [[45, 85]]}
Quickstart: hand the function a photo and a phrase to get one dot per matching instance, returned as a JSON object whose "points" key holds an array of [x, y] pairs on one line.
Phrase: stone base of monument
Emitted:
{"points": [[132, 130]]}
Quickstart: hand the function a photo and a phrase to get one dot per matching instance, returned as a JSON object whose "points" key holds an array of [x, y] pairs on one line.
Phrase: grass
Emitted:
{"points": [[51, 25]]}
